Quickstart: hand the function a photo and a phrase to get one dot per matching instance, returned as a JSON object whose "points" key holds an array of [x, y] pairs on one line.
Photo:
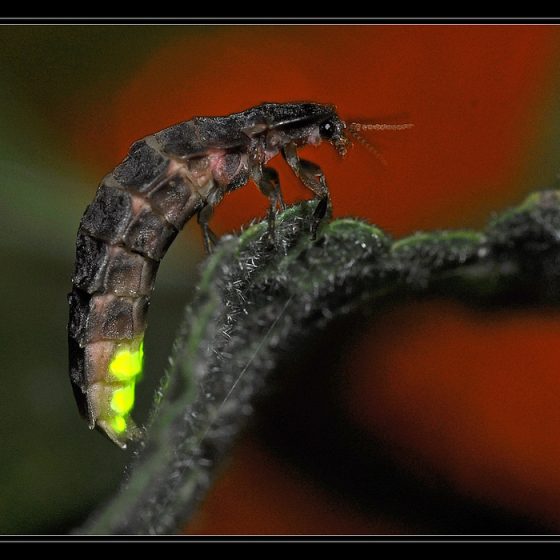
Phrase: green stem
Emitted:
{"points": [[254, 303]]}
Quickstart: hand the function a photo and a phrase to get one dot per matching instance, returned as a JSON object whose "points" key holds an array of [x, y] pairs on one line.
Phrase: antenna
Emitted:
{"points": [[356, 126], [354, 129]]}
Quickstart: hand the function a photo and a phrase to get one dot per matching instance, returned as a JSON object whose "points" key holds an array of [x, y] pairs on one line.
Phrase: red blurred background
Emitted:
{"points": [[471, 396]]}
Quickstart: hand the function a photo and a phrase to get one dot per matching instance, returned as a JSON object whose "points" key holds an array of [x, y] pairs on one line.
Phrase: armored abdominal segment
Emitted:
{"points": [[137, 212]]}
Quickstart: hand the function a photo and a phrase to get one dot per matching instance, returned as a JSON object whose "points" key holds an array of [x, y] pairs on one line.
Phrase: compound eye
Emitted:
{"points": [[326, 130]]}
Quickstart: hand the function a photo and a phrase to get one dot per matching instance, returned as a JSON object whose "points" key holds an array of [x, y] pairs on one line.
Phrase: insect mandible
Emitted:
{"points": [[165, 180]]}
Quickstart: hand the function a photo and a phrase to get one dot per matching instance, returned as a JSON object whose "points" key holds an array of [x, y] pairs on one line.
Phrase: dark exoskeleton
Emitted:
{"points": [[166, 179]]}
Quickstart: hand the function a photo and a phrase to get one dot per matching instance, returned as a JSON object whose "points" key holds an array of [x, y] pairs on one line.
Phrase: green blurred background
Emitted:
{"points": [[52, 470]]}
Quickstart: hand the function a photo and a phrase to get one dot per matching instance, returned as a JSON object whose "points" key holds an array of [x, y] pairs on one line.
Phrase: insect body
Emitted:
{"points": [[139, 208]]}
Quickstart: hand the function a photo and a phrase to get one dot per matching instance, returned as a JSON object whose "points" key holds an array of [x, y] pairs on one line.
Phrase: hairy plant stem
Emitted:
{"points": [[255, 301]]}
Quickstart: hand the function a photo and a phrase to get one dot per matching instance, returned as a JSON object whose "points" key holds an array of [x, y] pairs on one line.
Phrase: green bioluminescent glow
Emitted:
{"points": [[122, 400], [118, 423], [124, 367], [127, 363]]}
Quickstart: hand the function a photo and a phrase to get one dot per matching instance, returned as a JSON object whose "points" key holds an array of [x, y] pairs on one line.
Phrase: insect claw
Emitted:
{"points": [[318, 215], [280, 201]]}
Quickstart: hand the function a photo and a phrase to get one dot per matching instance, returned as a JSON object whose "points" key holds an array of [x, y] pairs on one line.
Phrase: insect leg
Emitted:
{"points": [[266, 179], [209, 237], [271, 176], [312, 176]]}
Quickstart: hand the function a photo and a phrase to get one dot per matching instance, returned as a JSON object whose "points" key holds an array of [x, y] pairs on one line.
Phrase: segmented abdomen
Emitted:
{"points": [[138, 210]]}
